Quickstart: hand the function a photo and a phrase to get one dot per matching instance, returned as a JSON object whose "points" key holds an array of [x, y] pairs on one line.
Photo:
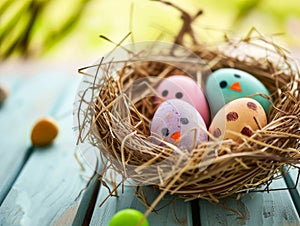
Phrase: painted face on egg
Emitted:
{"points": [[184, 88], [179, 123], [231, 84], [243, 115]]}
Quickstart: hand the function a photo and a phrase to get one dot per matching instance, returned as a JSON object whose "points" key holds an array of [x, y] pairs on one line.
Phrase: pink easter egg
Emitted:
{"points": [[184, 88]]}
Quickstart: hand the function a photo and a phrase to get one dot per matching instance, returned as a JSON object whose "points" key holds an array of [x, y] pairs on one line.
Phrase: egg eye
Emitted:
{"points": [[237, 76], [165, 132], [179, 95], [184, 121], [223, 84], [165, 93]]}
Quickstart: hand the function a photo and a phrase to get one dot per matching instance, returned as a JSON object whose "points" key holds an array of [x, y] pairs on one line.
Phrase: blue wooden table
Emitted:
{"points": [[40, 186]]}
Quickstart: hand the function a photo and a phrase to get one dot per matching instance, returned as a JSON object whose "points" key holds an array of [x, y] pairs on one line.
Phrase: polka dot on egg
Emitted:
{"points": [[232, 116], [252, 106], [247, 132], [217, 132]]}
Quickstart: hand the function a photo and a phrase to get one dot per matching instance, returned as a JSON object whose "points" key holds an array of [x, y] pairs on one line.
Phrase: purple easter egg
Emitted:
{"points": [[178, 122]]}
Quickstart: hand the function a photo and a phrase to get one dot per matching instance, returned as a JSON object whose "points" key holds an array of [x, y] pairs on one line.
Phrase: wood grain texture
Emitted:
{"points": [[172, 211], [293, 174], [45, 191], [292, 181], [274, 208], [29, 98]]}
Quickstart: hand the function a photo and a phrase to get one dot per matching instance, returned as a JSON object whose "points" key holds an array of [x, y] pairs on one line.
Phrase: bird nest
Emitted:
{"points": [[117, 104]]}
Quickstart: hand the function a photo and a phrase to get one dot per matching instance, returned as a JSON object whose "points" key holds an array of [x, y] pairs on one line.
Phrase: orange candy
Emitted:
{"points": [[44, 132]]}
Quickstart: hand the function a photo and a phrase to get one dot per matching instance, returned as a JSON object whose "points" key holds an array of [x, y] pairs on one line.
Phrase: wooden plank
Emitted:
{"points": [[292, 181], [273, 208], [172, 211], [46, 189], [29, 99]]}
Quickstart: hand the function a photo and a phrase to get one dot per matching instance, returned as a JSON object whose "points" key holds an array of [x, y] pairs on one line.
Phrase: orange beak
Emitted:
{"points": [[236, 87], [176, 135]]}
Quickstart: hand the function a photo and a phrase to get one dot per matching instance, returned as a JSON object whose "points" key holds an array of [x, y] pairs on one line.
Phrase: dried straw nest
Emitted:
{"points": [[119, 126]]}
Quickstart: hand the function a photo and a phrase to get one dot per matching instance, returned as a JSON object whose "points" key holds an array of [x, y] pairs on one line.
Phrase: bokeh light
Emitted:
{"points": [[70, 29]]}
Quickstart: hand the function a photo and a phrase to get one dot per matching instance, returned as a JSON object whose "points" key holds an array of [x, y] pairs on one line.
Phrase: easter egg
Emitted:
{"points": [[128, 217], [179, 123], [227, 84], [243, 115], [184, 88]]}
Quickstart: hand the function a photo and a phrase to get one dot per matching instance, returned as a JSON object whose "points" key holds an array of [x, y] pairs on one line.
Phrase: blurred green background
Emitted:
{"points": [[70, 29]]}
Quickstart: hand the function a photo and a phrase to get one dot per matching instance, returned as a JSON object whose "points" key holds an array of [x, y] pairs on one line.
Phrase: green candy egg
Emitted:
{"points": [[227, 84], [128, 217]]}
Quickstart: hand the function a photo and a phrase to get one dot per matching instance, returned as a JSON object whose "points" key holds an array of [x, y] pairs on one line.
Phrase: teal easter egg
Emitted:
{"points": [[128, 217], [227, 84]]}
